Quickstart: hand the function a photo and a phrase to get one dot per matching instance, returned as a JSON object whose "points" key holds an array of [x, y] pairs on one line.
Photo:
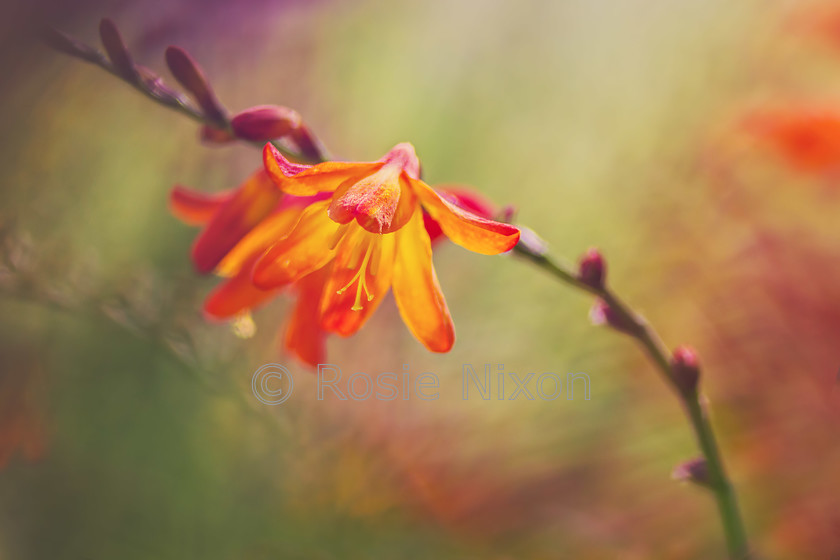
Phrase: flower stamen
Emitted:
{"points": [[360, 278]]}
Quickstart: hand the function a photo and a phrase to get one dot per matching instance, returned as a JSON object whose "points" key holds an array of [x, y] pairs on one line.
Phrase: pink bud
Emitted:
{"points": [[190, 75], [507, 214], [307, 143], [693, 470], [116, 49], [592, 269], [64, 43], [685, 370], [265, 122], [213, 135], [602, 314]]}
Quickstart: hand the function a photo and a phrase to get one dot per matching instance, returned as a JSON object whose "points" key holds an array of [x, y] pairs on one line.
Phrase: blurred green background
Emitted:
{"points": [[129, 428]]}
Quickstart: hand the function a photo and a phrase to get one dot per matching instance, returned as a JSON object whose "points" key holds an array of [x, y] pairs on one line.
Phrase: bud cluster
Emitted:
{"points": [[258, 124]]}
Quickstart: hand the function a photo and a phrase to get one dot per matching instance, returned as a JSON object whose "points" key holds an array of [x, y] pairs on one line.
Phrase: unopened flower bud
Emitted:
{"points": [[693, 470], [592, 269], [265, 122], [307, 143], [602, 314], [685, 370], [64, 43], [507, 214], [117, 51], [190, 75], [213, 135]]}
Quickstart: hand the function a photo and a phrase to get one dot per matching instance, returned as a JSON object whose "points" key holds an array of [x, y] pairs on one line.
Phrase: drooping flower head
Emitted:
{"points": [[370, 232], [339, 235], [239, 225]]}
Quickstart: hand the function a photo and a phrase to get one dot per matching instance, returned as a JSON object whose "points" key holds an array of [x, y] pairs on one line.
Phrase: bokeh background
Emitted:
{"points": [[663, 132]]}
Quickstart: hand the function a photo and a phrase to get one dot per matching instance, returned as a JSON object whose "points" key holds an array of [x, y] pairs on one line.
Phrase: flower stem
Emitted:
{"points": [[644, 334]]}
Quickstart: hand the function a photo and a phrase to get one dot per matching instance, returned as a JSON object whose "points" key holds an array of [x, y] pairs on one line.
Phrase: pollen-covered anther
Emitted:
{"points": [[372, 202]]}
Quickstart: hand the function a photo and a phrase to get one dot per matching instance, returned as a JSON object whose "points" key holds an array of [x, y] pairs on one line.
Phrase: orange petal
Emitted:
{"points": [[236, 295], [304, 336], [195, 207], [472, 232], [251, 202], [807, 137], [381, 203], [303, 251], [361, 276], [307, 180], [416, 289], [258, 240]]}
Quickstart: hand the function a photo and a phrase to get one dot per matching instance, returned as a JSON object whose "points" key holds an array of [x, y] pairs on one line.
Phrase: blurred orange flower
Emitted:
{"points": [[807, 138], [22, 423], [370, 233]]}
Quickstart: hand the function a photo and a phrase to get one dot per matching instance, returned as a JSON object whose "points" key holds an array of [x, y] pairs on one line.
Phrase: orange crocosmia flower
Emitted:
{"points": [[239, 226], [807, 138], [228, 216], [370, 236]]}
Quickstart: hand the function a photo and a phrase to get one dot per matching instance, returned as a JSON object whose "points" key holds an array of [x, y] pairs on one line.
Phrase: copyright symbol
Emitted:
{"points": [[272, 384]]}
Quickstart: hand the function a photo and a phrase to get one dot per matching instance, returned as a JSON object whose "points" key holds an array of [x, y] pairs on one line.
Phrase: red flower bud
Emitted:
{"points": [[307, 143], [213, 135], [64, 43], [189, 75], [592, 269], [685, 370], [693, 470], [265, 122], [602, 314], [116, 49]]}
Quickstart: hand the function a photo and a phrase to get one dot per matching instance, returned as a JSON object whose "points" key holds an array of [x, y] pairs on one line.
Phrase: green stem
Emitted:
{"points": [[650, 341]]}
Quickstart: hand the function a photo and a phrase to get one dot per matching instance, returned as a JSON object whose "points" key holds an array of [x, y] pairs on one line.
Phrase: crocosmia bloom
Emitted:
{"points": [[807, 138], [239, 225], [368, 236]]}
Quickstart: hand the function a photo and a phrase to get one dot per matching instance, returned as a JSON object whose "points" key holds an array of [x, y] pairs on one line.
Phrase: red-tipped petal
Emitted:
{"points": [[235, 295], [250, 204], [463, 197], [464, 228], [195, 207], [308, 180]]}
